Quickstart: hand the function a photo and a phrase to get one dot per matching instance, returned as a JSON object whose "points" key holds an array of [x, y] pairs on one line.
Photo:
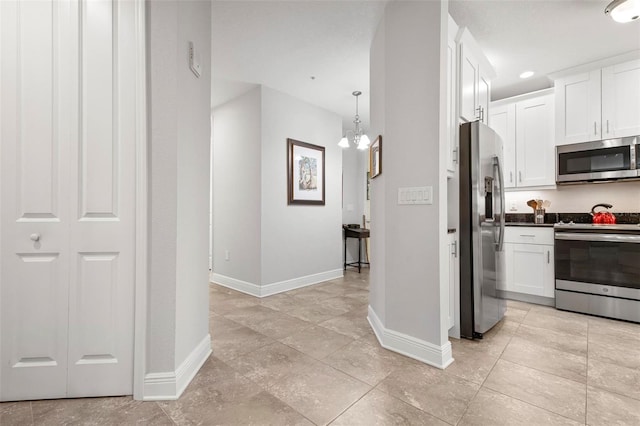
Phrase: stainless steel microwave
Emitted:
{"points": [[610, 159]]}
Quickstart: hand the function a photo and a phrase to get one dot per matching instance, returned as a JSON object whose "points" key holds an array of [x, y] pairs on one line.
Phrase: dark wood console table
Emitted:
{"points": [[358, 233]]}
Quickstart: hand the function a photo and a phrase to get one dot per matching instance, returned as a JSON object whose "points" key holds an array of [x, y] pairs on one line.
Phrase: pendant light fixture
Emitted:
{"points": [[359, 138], [623, 10]]}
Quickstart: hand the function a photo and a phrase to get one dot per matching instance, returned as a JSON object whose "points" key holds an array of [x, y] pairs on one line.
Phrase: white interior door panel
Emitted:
{"points": [[67, 123]]}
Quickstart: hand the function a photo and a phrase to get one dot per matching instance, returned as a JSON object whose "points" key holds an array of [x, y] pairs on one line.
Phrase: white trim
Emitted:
{"points": [[141, 241], [282, 286], [234, 284], [437, 356], [595, 65], [191, 365], [275, 288], [171, 384]]}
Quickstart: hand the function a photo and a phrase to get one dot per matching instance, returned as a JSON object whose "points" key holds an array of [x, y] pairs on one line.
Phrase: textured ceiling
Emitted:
{"points": [[283, 44], [542, 36]]}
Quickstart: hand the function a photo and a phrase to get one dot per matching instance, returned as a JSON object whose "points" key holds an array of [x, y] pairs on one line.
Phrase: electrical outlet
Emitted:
{"points": [[227, 255], [513, 207]]}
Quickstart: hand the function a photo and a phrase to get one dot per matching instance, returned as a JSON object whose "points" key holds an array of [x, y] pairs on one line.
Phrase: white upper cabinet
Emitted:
{"points": [[484, 96], [452, 119], [621, 100], [469, 76], [503, 121], [578, 108], [600, 104], [475, 76], [526, 129], [534, 142]]}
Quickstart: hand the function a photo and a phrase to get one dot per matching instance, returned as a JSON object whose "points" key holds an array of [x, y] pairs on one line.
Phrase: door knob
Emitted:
{"points": [[35, 237]]}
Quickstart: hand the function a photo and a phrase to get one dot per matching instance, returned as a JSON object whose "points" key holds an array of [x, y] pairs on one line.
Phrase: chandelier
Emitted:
{"points": [[359, 138]]}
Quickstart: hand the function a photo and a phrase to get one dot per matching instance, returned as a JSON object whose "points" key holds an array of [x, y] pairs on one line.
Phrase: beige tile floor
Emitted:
{"points": [[309, 357]]}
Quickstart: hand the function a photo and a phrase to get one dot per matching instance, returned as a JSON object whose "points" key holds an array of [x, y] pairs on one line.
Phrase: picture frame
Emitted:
{"points": [[305, 173], [375, 157]]}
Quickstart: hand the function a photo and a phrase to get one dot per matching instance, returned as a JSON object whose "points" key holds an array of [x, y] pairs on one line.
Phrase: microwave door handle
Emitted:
{"points": [[501, 215]]}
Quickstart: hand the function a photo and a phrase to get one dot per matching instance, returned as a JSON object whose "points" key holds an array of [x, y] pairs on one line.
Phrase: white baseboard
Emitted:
{"points": [[238, 285], [282, 286], [437, 356], [170, 385], [278, 287]]}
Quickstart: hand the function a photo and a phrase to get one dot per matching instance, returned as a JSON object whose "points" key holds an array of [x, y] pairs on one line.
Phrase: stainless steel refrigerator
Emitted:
{"points": [[482, 267]]}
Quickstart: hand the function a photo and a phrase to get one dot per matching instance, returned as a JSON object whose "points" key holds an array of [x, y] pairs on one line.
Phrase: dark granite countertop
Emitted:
{"points": [[537, 225], [526, 219]]}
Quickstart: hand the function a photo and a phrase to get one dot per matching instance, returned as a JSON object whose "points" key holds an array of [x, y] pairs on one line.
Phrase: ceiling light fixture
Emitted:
{"points": [[359, 138], [526, 74], [623, 10]]}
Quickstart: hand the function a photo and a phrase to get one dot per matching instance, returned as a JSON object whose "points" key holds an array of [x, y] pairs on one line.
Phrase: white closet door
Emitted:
{"points": [[35, 219], [102, 164], [67, 198]]}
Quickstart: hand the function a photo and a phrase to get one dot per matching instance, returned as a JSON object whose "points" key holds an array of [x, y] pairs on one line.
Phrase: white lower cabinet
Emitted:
{"points": [[529, 258]]}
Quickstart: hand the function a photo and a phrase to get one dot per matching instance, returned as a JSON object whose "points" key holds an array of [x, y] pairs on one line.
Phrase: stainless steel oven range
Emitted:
{"points": [[597, 270]]}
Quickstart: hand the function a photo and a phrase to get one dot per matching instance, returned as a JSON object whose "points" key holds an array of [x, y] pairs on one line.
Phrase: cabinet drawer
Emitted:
{"points": [[528, 235]]}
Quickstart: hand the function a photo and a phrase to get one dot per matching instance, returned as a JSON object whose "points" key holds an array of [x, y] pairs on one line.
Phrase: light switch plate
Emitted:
{"points": [[194, 60], [415, 195]]}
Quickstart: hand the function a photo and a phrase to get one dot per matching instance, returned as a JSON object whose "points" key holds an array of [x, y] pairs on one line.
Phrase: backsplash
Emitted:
{"points": [[621, 218], [624, 196]]}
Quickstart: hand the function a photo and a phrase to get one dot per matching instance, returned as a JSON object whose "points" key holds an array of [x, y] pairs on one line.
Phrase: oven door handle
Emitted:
{"points": [[609, 238]]}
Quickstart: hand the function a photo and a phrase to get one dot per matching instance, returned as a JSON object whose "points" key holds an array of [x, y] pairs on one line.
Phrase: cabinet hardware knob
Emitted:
{"points": [[35, 237]]}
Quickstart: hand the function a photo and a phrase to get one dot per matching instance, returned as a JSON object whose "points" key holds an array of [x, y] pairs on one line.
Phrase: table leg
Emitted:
{"points": [[345, 253], [359, 248]]}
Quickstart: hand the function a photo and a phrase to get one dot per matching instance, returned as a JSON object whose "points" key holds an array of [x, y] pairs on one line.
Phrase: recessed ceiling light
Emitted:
{"points": [[526, 74]]}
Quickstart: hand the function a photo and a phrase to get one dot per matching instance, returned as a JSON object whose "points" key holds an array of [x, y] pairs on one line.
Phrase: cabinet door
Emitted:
{"points": [[530, 269], [484, 90], [535, 142], [549, 281], [452, 120], [453, 277], [577, 103], [469, 75], [621, 100], [503, 121]]}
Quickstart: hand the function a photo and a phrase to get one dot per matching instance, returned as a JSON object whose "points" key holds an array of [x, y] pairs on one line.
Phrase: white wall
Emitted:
{"points": [[194, 141], [298, 240], [163, 199], [272, 242], [411, 48], [237, 187], [179, 190], [624, 196], [378, 243], [354, 183]]}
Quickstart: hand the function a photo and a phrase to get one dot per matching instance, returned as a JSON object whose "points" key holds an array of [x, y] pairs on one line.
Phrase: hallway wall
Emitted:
{"points": [[298, 244], [179, 132]]}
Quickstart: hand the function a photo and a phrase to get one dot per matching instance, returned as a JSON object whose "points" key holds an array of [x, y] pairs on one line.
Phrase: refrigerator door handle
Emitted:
{"points": [[502, 202]]}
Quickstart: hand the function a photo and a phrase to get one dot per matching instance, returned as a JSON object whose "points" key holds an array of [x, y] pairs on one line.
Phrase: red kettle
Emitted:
{"points": [[604, 217]]}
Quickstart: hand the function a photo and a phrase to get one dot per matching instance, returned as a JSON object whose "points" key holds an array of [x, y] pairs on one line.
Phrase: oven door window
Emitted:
{"points": [[598, 262], [595, 160]]}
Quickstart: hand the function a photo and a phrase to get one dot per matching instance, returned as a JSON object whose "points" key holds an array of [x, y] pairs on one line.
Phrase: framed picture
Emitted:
{"points": [[375, 157], [305, 173]]}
